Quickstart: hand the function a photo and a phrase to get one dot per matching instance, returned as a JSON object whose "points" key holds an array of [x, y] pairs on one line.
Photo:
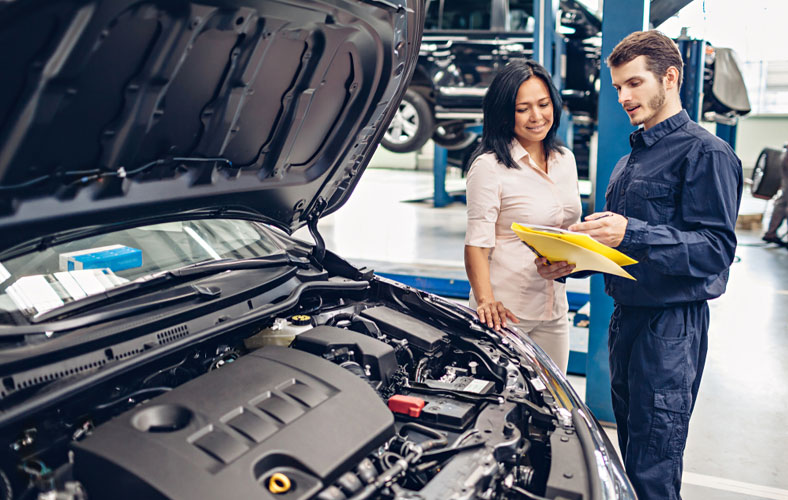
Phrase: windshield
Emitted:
{"points": [[41, 281]]}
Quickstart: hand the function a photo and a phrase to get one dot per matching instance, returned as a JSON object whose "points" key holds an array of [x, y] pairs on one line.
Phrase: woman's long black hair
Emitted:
{"points": [[499, 104]]}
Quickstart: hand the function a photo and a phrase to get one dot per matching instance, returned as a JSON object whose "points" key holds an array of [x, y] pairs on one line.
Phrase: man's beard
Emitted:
{"points": [[654, 104]]}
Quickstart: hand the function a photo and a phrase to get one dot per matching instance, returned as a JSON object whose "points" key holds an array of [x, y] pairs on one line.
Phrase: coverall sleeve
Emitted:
{"points": [[708, 206]]}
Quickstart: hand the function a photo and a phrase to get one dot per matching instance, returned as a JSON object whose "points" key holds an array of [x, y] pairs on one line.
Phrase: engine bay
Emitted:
{"points": [[378, 393]]}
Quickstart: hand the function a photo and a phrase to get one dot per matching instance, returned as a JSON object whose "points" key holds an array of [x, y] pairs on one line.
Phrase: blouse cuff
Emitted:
{"points": [[480, 233]]}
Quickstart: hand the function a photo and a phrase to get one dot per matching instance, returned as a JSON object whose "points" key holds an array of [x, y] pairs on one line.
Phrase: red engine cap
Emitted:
{"points": [[407, 405]]}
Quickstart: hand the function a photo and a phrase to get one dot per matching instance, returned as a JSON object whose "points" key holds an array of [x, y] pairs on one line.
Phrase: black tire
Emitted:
{"points": [[411, 126], [766, 176], [453, 136]]}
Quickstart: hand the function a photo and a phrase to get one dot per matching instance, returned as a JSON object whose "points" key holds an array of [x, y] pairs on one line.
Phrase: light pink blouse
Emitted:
{"points": [[498, 196]]}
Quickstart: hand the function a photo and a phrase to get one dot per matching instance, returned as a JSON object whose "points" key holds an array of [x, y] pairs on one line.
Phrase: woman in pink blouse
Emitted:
{"points": [[520, 174]]}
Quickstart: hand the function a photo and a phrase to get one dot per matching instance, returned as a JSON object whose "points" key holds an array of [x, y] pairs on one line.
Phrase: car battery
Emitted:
{"points": [[463, 384], [447, 413], [434, 410]]}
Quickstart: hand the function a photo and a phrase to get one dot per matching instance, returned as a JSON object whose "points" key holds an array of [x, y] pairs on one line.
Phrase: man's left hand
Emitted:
{"points": [[607, 228]]}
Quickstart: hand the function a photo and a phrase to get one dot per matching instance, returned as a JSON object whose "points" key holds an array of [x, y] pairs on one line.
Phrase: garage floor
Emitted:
{"points": [[738, 441]]}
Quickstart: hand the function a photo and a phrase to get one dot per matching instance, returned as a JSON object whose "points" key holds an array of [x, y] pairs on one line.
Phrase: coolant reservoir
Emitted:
{"points": [[282, 332]]}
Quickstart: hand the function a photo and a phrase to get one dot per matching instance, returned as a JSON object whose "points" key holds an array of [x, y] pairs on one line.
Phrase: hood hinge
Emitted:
{"points": [[319, 250]]}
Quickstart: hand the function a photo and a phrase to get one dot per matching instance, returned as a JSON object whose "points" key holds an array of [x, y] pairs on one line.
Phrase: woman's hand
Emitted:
{"points": [[552, 271], [494, 313]]}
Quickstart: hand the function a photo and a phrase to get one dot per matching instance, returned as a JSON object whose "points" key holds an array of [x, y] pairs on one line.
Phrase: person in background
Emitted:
{"points": [[521, 174], [780, 211], [671, 204]]}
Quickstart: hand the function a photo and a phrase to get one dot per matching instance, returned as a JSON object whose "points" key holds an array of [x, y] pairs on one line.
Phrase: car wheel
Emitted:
{"points": [[766, 174], [453, 136], [411, 126]]}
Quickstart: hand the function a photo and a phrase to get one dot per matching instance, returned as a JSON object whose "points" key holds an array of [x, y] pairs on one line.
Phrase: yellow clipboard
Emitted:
{"points": [[580, 249]]}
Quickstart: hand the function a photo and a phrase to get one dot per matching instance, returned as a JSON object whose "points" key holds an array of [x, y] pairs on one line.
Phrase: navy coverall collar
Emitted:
{"points": [[658, 131]]}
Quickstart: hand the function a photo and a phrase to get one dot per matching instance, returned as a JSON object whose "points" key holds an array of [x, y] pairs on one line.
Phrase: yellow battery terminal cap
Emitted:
{"points": [[279, 483]]}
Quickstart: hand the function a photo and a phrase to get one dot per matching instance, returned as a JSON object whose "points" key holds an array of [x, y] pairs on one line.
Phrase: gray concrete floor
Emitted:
{"points": [[738, 439]]}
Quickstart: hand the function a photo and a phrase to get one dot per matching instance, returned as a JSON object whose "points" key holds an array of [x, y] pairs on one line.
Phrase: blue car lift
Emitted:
{"points": [[619, 18]]}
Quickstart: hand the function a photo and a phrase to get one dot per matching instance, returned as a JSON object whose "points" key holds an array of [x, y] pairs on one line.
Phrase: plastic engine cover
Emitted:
{"points": [[225, 434]]}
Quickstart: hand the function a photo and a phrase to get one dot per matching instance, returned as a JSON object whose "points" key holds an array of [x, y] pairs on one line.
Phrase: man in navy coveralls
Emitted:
{"points": [[672, 204]]}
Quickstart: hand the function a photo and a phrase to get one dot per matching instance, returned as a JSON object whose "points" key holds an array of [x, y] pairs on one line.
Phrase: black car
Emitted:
{"points": [[162, 335], [465, 44]]}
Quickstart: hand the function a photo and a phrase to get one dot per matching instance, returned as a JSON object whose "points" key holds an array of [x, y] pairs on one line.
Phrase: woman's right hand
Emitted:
{"points": [[553, 271], [495, 314]]}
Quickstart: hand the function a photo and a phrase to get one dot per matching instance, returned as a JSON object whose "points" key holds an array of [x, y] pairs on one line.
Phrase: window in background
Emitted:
{"points": [[767, 85]]}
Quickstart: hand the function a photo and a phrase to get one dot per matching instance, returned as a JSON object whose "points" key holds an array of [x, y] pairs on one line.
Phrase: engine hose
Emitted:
{"points": [[333, 320], [134, 394], [419, 369], [370, 327], [415, 453], [387, 476], [6, 492], [440, 439]]}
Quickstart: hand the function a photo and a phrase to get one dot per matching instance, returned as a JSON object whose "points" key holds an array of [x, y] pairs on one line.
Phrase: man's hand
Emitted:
{"points": [[494, 314], [607, 228], [553, 271]]}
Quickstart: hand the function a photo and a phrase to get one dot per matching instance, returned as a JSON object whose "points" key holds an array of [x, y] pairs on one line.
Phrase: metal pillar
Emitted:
{"points": [[619, 18], [545, 13], [694, 54], [440, 162], [440, 197], [566, 129], [727, 133]]}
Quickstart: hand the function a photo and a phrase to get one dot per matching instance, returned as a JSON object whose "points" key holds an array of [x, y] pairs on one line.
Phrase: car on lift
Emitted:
{"points": [[465, 44], [162, 334]]}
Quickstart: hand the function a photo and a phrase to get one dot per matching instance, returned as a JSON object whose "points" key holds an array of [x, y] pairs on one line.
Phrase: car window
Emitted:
{"points": [[43, 280], [520, 16], [466, 15]]}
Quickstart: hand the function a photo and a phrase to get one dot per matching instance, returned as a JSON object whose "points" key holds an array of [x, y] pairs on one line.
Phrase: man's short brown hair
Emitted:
{"points": [[661, 53]]}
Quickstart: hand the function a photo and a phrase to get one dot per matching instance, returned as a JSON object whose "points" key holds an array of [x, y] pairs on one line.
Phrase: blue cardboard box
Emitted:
{"points": [[113, 257]]}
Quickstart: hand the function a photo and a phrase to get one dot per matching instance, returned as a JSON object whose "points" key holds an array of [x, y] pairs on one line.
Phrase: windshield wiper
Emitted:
{"points": [[181, 274]]}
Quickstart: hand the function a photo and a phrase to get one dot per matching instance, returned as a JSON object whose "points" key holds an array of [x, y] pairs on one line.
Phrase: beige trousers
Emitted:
{"points": [[552, 336]]}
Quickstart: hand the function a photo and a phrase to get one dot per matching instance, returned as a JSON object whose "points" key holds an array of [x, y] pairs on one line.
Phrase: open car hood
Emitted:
{"points": [[116, 110]]}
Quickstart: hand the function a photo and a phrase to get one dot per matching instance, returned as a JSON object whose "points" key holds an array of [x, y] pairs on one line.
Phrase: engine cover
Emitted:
{"points": [[225, 434]]}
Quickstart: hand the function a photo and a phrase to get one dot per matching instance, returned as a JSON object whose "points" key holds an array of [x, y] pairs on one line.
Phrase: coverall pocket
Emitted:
{"points": [[669, 324], [652, 201], [669, 422]]}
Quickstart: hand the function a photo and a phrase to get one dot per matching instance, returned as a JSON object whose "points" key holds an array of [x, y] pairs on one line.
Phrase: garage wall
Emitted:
{"points": [[757, 132]]}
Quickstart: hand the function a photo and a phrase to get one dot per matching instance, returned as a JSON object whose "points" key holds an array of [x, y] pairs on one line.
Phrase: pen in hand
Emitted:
{"points": [[534, 250]]}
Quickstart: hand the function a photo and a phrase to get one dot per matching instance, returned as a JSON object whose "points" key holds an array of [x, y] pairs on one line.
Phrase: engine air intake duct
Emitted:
{"points": [[379, 356], [401, 326]]}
